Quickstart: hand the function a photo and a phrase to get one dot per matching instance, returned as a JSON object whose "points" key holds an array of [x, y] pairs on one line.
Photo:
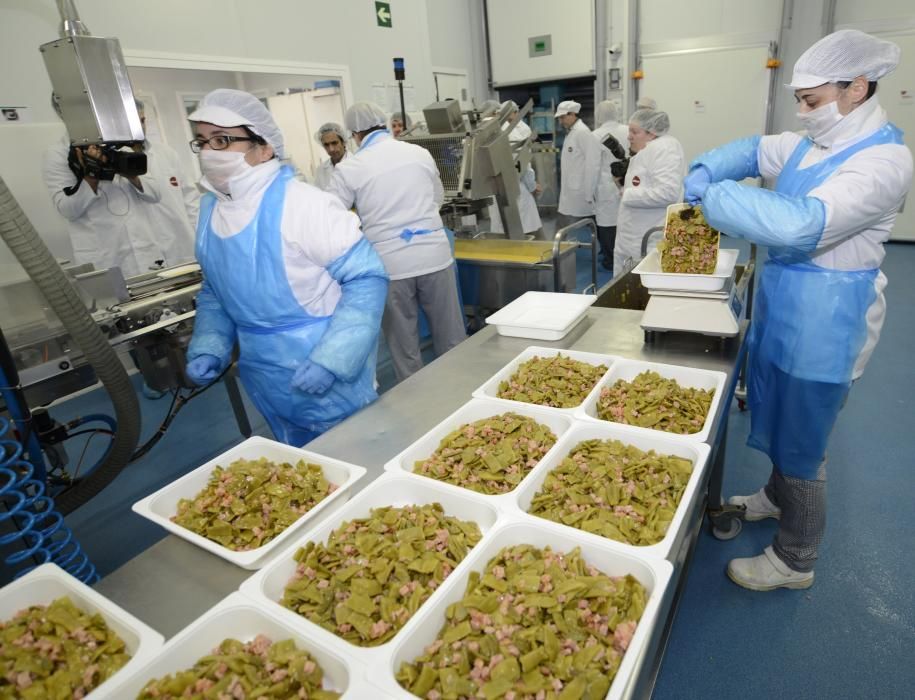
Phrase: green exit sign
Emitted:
{"points": [[383, 14]]}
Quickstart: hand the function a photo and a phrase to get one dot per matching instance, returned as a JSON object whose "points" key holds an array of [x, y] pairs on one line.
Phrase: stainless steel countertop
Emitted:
{"points": [[173, 582]]}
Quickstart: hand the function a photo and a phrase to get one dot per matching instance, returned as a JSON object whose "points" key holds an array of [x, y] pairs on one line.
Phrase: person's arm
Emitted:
{"points": [[592, 165], [214, 331], [733, 161], [60, 180], [356, 322], [661, 187], [438, 189], [529, 180], [146, 188], [341, 189]]}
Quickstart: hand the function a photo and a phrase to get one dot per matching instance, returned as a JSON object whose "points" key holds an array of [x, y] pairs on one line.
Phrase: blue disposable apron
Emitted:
{"points": [[809, 326], [276, 335]]}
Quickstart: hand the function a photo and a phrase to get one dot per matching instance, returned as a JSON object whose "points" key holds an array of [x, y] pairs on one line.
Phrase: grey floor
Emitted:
{"points": [[850, 636]]}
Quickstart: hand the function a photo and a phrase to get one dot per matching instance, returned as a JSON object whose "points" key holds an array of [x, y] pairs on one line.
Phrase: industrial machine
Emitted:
{"points": [[478, 164]]}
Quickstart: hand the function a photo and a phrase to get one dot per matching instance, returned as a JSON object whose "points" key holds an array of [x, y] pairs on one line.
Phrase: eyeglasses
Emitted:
{"points": [[217, 143]]}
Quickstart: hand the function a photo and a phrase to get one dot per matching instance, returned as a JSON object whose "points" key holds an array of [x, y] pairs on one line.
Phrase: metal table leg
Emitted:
{"points": [[238, 405]]}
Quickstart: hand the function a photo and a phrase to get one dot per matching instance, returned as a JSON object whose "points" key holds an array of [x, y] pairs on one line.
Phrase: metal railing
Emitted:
{"points": [[557, 241]]}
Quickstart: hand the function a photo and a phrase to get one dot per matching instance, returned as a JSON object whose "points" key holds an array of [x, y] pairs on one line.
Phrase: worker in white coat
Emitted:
{"points": [[106, 225], [647, 103], [580, 164], [397, 192], [653, 181], [527, 185], [399, 123], [820, 305], [332, 138], [173, 219], [607, 204]]}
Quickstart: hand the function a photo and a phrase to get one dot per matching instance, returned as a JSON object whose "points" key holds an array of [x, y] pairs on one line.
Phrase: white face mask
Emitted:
{"points": [[221, 166], [821, 120]]}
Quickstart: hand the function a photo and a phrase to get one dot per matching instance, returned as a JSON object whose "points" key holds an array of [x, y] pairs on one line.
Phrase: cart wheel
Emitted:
{"points": [[742, 405], [735, 526]]}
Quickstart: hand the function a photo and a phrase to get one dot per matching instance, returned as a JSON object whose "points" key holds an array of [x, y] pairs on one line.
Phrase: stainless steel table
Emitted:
{"points": [[173, 582]]}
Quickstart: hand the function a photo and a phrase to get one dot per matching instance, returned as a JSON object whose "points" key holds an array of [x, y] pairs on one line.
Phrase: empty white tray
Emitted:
{"points": [[163, 504], [49, 582], [652, 277], [541, 315]]}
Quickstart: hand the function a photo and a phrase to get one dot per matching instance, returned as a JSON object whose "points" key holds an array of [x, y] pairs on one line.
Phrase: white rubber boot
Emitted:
{"points": [[766, 573], [759, 507]]}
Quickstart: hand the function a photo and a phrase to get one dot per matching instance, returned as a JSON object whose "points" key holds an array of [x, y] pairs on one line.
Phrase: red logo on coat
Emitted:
{"points": [[173, 181], [636, 181]]}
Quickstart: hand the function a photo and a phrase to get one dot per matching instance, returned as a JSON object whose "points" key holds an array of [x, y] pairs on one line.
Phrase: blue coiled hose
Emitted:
{"points": [[32, 517]]}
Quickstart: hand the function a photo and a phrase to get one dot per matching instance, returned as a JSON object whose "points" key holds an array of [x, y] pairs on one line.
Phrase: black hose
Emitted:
{"points": [[19, 234]]}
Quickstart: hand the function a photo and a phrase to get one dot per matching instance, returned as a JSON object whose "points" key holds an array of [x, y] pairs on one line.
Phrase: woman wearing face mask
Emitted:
{"points": [[820, 304], [287, 275]]}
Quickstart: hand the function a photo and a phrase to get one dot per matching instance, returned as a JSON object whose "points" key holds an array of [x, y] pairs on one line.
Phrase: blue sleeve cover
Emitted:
{"points": [[214, 331], [353, 330], [732, 161], [765, 217]]}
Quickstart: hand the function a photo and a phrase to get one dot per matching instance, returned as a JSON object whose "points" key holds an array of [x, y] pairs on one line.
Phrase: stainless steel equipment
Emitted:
{"points": [[476, 163], [149, 317]]}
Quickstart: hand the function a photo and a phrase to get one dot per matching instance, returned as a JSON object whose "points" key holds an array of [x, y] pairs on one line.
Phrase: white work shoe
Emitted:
{"points": [[766, 573], [759, 507]]}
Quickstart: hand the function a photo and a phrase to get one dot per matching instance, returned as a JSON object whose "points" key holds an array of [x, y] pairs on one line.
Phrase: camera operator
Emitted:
{"points": [[97, 192]]}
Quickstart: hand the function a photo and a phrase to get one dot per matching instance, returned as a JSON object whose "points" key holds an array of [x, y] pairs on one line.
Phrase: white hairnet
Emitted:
{"points": [[606, 111], [225, 107], [658, 123], [511, 103], [489, 107], [330, 128], [843, 56], [646, 103], [362, 116], [398, 116], [568, 107]]}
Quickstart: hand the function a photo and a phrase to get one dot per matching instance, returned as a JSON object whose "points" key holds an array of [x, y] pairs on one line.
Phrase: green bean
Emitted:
{"points": [[248, 504], [556, 381], [57, 652], [491, 455], [557, 628], [690, 245], [651, 401], [375, 572], [256, 669], [614, 490]]}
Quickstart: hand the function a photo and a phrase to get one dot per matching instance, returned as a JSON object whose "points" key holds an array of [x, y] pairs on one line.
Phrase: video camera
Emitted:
{"points": [[112, 161], [619, 167]]}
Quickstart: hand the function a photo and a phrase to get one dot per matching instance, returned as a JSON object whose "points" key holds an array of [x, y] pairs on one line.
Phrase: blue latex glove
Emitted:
{"points": [[312, 378], [695, 184], [203, 369]]}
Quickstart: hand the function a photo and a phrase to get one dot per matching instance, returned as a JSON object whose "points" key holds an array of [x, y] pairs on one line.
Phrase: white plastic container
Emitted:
{"points": [[653, 278], [162, 505], [541, 315], [267, 585], [48, 582], [695, 452], [237, 617], [490, 390], [685, 376], [424, 628], [475, 410]]}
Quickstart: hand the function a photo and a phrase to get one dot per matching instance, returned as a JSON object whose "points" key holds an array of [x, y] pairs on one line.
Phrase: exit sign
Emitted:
{"points": [[383, 14]]}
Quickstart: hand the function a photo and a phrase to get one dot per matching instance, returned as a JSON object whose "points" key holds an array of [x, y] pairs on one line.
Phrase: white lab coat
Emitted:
{"points": [[653, 182], [315, 230], [395, 186], [174, 218], [606, 207], [107, 228], [581, 156], [527, 206], [861, 198], [325, 171]]}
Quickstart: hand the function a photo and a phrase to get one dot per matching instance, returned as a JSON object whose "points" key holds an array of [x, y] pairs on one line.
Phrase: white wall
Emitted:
{"points": [[455, 39], [513, 22], [664, 20], [862, 14]]}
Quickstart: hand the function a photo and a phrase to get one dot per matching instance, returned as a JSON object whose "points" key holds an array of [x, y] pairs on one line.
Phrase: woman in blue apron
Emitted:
{"points": [[287, 275], [820, 304]]}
